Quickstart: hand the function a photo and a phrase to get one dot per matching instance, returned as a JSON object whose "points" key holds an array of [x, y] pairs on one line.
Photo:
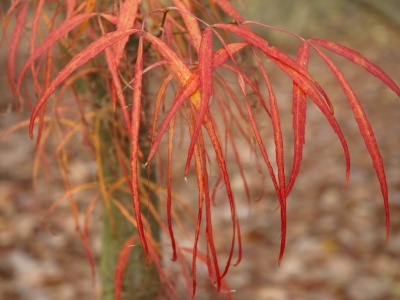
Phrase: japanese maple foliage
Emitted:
{"points": [[182, 41]]}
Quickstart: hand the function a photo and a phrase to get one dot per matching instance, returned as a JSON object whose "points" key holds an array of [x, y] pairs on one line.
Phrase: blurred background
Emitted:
{"points": [[336, 239]]}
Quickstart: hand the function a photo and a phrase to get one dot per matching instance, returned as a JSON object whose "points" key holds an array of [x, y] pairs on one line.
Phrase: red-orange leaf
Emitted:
{"points": [[299, 119], [92, 50], [190, 23], [191, 85], [358, 59], [16, 38], [206, 86], [366, 132], [126, 21], [121, 264], [135, 124], [274, 53], [51, 39], [304, 84], [273, 105], [229, 9]]}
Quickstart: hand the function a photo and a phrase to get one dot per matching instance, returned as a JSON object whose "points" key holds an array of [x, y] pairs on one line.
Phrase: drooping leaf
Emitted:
{"points": [[78, 60], [88, 9], [112, 67], [169, 189], [366, 132], [275, 54], [15, 40], [360, 60], [121, 264], [227, 7], [206, 86], [190, 86], [54, 36], [305, 86], [126, 20], [135, 125], [279, 153], [190, 23], [299, 119]]}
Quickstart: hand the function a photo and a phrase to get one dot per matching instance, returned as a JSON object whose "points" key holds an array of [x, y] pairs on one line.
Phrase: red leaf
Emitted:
{"points": [[136, 114], [121, 264], [112, 67], [366, 132], [229, 9], [88, 9], [299, 119], [274, 53], [16, 38], [273, 105], [190, 23], [206, 86], [51, 39], [316, 98], [189, 87], [126, 20], [92, 50], [157, 105], [169, 188], [358, 59]]}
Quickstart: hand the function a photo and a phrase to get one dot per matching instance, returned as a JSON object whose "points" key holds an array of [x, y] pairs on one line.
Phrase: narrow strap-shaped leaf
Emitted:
{"points": [[227, 7], [366, 132], [360, 60], [279, 153], [261, 146], [92, 50], [190, 23], [88, 9], [121, 264], [179, 68], [304, 84], [112, 67], [208, 124], [189, 87], [169, 188], [206, 86], [126, 20], [54, 36], [160, 94], [70, 8], [274, 53], [15, 40], [135, 124], [299, 119]]}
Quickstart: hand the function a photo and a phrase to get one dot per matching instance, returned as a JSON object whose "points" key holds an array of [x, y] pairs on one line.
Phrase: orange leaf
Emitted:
{"points": [[366, 132], [92, 50]]}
